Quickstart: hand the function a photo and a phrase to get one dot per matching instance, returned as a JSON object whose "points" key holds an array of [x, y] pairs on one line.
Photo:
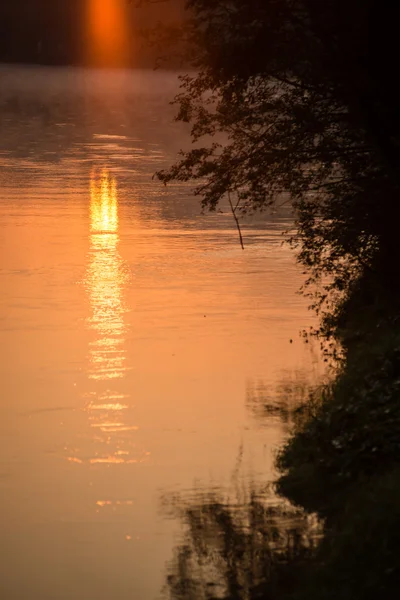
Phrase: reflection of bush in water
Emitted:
{"points": [[239, 551], [284, 402]]}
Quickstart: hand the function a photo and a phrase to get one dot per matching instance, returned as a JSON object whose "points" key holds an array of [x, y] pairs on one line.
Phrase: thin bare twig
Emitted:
{"points": [[233, 209]]}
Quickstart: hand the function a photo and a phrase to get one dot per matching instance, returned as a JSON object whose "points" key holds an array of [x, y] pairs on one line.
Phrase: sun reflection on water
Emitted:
{"points": [[105, 281], [106, 402]]}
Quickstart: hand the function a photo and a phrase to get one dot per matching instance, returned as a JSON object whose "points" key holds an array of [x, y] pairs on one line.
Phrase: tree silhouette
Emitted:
{"points": [[304, 96]]}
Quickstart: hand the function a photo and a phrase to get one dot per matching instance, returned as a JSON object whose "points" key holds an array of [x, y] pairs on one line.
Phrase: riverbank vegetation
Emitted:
{"points": [[305, 95]]}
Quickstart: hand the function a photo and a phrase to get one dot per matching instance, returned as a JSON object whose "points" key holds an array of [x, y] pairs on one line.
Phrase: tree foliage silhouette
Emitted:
{"points": [[304, 97]]}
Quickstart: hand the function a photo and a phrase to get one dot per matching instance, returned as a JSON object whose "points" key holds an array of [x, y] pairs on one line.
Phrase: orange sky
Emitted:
{"points": [[109, 42]]}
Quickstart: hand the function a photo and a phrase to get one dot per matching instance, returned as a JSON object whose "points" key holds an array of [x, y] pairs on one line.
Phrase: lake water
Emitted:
{"points": [[139, 342]]}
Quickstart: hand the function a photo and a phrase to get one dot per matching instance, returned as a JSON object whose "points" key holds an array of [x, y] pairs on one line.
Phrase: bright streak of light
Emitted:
{"points": [[105, 281], [108, 33]]}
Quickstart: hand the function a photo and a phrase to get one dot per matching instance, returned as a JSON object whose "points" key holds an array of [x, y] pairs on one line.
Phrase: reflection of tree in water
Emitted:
{"points": [[282, 403], [254, 546], [242, 550]]}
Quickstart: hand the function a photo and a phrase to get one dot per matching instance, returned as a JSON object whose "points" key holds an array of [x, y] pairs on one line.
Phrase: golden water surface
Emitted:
{"points": [[139, 344]]}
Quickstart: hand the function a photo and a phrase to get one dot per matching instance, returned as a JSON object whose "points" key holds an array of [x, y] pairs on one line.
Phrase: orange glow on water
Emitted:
{"points": [[103, 204], [105, 281], [108, 37]]}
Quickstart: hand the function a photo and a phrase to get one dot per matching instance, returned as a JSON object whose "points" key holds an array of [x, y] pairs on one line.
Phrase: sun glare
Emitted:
{"points": [[108, 37], [105, 281]]}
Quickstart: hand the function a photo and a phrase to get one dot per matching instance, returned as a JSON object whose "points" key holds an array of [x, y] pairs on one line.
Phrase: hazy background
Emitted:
{"points": [[58, 32]]}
